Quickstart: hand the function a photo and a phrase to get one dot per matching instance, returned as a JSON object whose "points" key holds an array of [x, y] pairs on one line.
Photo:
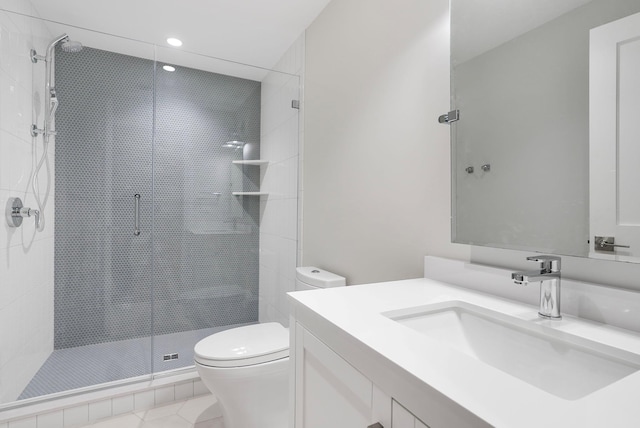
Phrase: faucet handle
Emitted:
{"points": [[548, 263]]}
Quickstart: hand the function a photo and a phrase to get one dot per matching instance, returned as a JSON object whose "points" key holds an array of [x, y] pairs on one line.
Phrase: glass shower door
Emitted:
{"points": [[103, 193], [205, 238]]}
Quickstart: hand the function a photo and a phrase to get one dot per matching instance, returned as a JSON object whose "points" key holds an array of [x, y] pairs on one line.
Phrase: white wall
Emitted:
{"points": [[26, 257], [376, 162], [279, 211]]}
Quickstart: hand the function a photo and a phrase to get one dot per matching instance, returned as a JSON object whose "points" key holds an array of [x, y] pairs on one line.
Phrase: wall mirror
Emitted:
{"points": [[546, 151]]}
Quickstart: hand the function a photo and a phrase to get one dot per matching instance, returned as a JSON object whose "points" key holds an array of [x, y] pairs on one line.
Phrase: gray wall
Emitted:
{"points": [[195, 265], [376, 161]]}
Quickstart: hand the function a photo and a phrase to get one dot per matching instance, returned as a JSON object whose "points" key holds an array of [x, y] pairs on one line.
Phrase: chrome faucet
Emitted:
{"points": [[549, 277]]}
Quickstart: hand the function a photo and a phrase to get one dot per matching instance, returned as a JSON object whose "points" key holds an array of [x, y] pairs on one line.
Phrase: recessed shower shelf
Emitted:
{"points": [[257, 162], [249, 193], [250, 162]]}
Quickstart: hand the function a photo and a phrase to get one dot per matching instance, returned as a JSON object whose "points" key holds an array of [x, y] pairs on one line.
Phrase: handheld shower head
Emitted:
{"points": [[52, 105]]}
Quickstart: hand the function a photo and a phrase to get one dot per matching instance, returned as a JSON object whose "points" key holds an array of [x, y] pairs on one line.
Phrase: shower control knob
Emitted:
{"points": [[12, 212], [15, 212], [28, 212]]}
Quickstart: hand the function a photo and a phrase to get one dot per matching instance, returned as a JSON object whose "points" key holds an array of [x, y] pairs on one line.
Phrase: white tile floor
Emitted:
{"points": [[198, 412]]}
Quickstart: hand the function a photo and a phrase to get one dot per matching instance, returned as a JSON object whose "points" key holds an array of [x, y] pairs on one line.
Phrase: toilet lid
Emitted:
{"points": [[244, 346]]}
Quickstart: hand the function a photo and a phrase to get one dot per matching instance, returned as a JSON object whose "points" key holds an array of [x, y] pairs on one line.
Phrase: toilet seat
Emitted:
{"points": [[244, 346]]}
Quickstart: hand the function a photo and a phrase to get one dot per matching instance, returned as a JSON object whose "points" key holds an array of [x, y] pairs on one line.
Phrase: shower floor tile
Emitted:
{"points": [[90, 365]]}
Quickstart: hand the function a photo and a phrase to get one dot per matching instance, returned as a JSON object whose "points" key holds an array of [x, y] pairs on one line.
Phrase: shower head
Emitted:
{"points": [[71, 46], [66, 44]]}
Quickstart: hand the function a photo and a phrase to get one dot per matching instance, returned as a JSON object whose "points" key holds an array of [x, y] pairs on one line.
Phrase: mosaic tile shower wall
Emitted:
{"points": [[195, 263]]}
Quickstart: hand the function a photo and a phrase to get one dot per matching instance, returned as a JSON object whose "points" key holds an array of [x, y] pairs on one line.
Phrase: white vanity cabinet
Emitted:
{"points": [[330, 392], [363, 355]]}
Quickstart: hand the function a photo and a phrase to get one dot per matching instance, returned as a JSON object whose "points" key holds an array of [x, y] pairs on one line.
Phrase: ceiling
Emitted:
{"points": [[253, 32]]}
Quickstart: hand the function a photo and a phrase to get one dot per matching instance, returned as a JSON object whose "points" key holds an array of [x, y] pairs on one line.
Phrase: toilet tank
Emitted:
{"points": [[311, 278]]}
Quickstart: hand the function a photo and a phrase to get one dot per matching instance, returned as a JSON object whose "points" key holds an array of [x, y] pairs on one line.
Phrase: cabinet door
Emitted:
{"points": [[329, 392], [402, 418], [381, 408]]}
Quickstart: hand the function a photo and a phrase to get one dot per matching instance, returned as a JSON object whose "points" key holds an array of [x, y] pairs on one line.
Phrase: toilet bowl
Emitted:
{"points": [[247, 368]]}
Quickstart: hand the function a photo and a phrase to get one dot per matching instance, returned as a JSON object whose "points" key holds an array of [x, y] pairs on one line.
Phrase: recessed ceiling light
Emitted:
{"points": [[174, 42], [168, 68]]}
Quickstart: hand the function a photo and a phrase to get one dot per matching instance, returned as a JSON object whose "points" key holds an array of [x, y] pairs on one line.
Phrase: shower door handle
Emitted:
{"points": [[136, 214]]}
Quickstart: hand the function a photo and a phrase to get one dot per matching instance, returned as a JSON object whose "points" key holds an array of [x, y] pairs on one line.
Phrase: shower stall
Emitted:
{"points": [[137, 166]]}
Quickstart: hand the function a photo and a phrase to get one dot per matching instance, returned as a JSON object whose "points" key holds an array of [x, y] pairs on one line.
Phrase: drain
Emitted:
{"points": [[170, 357]]}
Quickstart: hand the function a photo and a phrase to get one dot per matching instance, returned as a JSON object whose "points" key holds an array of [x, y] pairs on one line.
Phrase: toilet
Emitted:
{"points": [[247, 368]]}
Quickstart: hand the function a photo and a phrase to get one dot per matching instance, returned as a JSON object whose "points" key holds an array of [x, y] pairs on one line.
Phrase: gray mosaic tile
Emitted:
{"points": [[195, 265], [90, 365]]}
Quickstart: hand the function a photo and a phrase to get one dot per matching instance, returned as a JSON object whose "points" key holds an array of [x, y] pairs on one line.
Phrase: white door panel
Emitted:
{"points": [[614, 118]]}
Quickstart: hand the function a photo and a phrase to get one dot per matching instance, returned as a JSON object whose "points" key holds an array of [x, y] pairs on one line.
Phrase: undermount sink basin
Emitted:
{"points": [[567, 366]]}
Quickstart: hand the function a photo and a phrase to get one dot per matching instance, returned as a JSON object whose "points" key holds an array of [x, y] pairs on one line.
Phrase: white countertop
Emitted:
{"points": [[410, 366]]}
